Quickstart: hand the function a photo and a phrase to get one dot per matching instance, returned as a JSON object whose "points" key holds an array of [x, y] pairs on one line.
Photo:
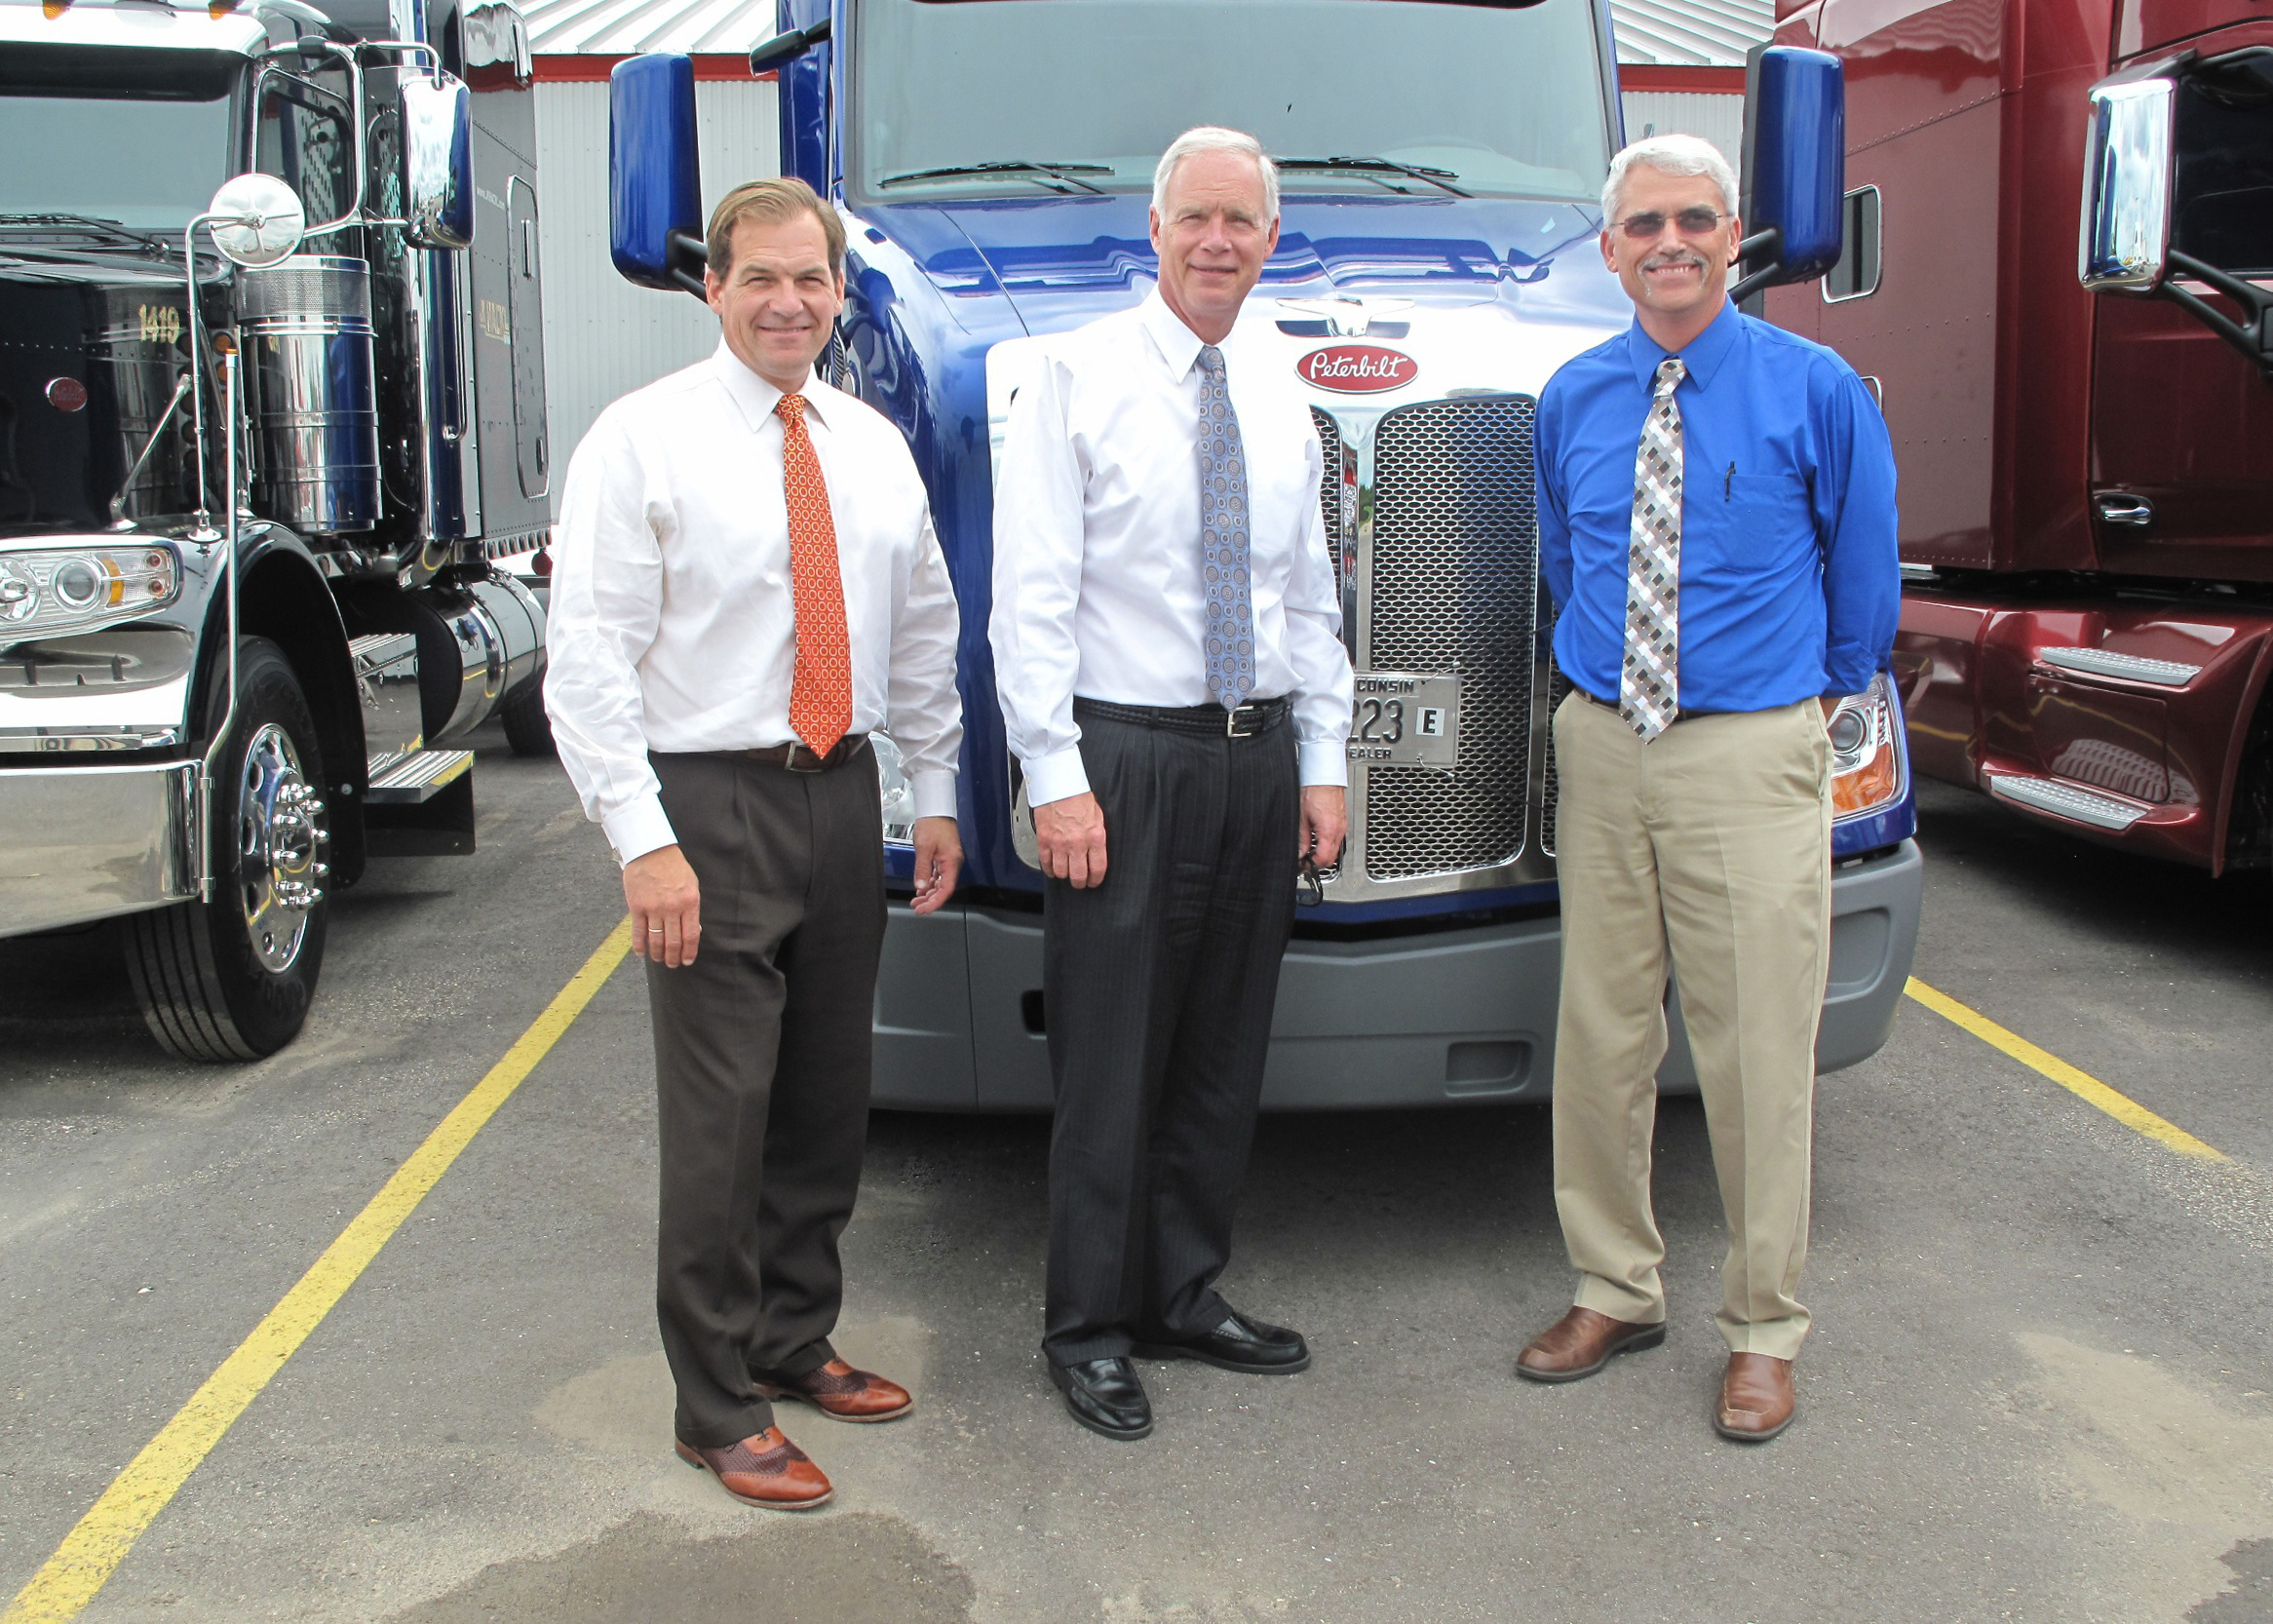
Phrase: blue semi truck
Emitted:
{"points": [[1441, 164]]}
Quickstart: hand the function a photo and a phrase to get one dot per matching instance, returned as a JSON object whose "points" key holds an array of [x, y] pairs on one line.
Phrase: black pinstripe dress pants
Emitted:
{"points": [[1158, 986]]}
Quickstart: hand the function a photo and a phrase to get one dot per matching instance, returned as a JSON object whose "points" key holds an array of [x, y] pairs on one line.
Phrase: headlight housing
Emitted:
{"points": [[898, 793], [1869, 766], [48, 590]]}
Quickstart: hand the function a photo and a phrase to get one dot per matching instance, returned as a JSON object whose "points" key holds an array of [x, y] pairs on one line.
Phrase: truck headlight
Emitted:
{"points": [[898, 793], [1866, 750], [54, 588]]}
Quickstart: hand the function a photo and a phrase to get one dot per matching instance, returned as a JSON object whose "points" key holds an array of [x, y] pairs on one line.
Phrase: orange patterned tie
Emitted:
{"points": [[821, 695]]}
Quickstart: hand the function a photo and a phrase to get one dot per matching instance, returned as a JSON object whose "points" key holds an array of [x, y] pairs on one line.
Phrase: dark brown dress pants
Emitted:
{"points": [[762, 1056]]}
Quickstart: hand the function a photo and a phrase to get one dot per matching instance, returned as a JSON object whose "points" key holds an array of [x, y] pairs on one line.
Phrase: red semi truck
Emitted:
{"points": [[2056, 271]]}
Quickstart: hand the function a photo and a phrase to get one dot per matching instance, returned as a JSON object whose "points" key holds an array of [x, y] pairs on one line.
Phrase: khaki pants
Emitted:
{"points": [[1712, 840]]}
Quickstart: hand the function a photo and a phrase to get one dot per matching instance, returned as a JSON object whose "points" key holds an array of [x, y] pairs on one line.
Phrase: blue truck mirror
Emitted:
{"points": [[1794, 166], [784, 48], [2127, 186], [438, 163], [654, 181]]}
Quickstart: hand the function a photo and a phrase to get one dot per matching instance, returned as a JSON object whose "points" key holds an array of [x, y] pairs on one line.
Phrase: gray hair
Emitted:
{"points": [[1210, 138], [1670, 155]]}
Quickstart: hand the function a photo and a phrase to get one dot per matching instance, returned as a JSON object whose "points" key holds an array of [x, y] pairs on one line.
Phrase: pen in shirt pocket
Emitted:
{"points": [[1726, 480]]}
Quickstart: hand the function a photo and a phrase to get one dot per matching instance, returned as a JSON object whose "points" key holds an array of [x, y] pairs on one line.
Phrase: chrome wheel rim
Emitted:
{"points": [[281, 839]]}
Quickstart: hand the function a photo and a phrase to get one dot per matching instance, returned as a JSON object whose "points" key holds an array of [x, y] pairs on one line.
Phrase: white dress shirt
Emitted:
{"points": [[672, 623], [1097, 588]]}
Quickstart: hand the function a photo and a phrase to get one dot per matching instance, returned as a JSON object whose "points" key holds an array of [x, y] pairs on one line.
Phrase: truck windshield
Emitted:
{"points": [[104, 137], [1086, 94]]}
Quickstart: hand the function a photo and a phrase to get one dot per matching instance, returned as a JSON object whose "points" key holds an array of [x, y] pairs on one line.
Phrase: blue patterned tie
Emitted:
{"points": [[1223, 539]]}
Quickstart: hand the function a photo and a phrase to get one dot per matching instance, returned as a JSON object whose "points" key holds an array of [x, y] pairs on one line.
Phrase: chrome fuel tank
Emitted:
{"points": [[305, 325]]}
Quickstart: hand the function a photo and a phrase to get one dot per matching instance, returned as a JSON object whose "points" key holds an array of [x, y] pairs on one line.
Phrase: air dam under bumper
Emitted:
{"points": [[79, 844], [1429, 1020]]}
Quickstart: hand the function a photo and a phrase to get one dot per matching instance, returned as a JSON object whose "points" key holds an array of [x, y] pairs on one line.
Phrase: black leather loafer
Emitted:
{"points": [[1239, 1343], [1105, 1396]]}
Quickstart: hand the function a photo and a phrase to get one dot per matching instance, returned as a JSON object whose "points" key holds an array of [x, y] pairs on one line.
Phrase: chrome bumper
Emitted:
{"points": [[79, 844]]}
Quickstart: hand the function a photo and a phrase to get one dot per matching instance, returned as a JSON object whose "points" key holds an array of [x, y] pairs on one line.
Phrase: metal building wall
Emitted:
{"points": [[1716, 117], [603, 336]]}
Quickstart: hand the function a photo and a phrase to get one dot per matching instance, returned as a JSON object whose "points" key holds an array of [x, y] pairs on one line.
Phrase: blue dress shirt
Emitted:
{"points": [[1790, 579]]}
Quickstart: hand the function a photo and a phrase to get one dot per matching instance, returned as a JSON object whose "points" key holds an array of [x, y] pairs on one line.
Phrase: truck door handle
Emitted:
{"points": [[2120, 507]]}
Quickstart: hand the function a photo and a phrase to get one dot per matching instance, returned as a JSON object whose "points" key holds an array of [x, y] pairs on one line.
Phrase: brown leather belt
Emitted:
{"points": [[796, 758]]}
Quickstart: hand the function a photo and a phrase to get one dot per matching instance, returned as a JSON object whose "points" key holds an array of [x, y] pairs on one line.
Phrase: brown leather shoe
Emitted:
{"points": [[1580, 1343], [1756, 1398], [843, 1394], [764, 1470]]}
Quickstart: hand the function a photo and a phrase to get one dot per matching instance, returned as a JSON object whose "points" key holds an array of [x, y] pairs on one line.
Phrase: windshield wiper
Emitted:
{"points": [[92, 224], [1040, 173], [1442, 179]]}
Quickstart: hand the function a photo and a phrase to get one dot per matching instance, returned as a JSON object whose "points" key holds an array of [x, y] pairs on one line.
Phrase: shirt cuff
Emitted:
{"points": [[935, 794], [639, 827], [1055, 776], [1324, 762]]}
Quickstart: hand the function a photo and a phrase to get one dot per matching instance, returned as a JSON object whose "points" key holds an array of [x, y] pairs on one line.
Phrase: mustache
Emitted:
{"points": [[1666, 259]]}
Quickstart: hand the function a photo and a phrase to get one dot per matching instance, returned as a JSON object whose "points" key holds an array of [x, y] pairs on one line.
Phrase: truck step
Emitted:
{"points": [[411, 778], [2066, 801]]}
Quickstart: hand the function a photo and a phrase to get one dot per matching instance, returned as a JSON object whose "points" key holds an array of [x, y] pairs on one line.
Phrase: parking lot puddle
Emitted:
{"points": [[2191, 1480], [817, 1567]]}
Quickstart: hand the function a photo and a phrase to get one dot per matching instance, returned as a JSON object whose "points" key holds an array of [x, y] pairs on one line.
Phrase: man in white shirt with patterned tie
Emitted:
{"points": [[748, 585], [1167, 650]]}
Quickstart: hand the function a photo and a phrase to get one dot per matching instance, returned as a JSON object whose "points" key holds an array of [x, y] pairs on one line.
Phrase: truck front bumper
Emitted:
{"points": [[1417, 1019], [79, 844]]}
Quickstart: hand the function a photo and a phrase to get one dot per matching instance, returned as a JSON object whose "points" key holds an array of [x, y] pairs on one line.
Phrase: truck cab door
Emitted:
{"points": [[2182, 453], [526, 299]]}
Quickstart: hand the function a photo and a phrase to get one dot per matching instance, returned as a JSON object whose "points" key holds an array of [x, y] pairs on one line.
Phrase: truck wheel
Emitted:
{"points": [[528, 728], [231, 979]]}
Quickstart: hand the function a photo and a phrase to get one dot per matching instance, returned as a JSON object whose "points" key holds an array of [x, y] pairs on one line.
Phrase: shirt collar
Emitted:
{"points": [[754, 397], [1699, 361], [1178, 345]]}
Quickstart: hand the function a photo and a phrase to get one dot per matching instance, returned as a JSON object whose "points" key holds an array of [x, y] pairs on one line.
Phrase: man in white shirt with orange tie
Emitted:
{"points": [[1167, 651], [747, 585]]}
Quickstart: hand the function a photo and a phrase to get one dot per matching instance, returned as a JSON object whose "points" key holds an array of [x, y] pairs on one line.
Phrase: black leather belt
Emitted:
{"points": [[1613, 706], [797, 758], [1257, 715]]}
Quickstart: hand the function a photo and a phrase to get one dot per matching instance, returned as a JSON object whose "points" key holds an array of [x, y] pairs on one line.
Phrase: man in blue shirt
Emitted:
{"points": [[1716, 528]]}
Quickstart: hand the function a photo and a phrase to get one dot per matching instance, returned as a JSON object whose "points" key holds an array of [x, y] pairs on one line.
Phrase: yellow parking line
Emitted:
{"points": [[93, 1550], [2089, 1089]]}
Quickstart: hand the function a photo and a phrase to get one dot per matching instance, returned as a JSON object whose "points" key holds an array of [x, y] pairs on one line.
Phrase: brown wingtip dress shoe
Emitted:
{"points": [[1582, 1342], [1756, 1401], [843, 1394], [764, 1470]]}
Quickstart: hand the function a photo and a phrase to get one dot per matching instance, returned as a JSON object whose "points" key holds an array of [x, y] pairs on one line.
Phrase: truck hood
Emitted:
{"points": [[92, 344], [1060, 261]]}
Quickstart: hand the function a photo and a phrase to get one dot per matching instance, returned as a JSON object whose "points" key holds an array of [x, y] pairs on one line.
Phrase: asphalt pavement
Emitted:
{"points": [[2037, 1388]]}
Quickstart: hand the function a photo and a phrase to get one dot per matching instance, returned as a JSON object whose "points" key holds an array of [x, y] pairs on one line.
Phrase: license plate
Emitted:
{"points": [[1402, 720]]}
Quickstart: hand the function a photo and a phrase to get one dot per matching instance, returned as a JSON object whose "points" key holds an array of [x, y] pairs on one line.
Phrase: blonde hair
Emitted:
{"points": [[780, 198]]}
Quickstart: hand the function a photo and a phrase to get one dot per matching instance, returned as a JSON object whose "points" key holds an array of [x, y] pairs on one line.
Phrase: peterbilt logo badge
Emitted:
{"points": [[1357, 368]]}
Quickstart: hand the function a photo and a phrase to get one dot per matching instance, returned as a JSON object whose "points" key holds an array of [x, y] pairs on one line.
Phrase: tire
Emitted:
{"points": [[528, 728], [231, 979]]}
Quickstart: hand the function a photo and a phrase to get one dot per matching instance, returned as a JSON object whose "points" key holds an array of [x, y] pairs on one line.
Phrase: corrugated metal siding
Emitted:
{"points": [[727, 27], [605, 337], [1720, 119], [1695, 33]]}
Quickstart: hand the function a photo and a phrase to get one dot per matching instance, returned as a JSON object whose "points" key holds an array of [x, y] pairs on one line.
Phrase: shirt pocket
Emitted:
{"points": [[1762, 515]]}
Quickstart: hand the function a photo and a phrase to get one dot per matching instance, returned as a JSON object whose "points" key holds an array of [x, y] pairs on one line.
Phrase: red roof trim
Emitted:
{"points": [[592, 68], [1653, 76]]}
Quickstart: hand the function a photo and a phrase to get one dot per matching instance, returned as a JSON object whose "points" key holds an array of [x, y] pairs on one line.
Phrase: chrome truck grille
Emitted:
{"points": [[1329, 484], [1453, 586]]}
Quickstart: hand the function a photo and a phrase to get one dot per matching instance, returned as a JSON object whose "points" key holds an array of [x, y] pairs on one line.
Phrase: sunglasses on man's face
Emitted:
{"points": [[1649, 225]]}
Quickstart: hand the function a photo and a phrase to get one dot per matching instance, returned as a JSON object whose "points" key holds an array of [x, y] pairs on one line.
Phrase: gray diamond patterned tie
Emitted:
{"points": [[1223, 539], [1649, 684]]}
